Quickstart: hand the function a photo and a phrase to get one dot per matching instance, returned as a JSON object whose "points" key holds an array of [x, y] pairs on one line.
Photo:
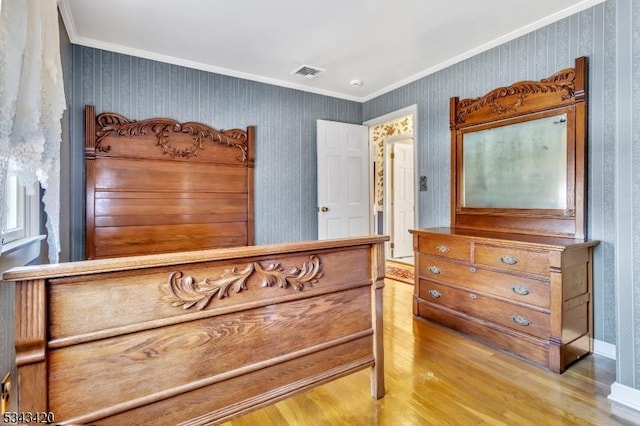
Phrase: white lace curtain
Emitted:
{"points": [[31, 104]]}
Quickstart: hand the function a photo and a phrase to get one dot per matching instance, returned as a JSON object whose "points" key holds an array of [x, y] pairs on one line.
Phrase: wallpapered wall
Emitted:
{"points": [[608, 34], [605, 33], [285, 120]]}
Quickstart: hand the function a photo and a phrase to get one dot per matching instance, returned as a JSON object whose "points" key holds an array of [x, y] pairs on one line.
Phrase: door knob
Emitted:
{"points": [[324, 209]]}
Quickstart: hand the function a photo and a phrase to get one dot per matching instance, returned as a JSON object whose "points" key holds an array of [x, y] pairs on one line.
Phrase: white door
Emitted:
{"points": [[403, 212], [343, 183]]}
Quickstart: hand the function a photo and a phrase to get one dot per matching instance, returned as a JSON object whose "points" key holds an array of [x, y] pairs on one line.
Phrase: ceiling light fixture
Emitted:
{"points": [[356, 83]]}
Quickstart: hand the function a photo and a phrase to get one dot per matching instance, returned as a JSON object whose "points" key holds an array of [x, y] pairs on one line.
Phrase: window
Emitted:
{"points": [[22, 218]]}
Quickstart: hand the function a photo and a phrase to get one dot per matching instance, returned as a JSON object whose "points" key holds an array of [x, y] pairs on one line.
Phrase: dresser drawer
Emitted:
{"points": [[445, 246], [501, 312], [525, 290], [505, 257], [531, 348]]}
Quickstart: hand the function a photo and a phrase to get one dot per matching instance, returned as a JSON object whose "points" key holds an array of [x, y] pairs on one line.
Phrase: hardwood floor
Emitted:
{"points": [[437, 377]]}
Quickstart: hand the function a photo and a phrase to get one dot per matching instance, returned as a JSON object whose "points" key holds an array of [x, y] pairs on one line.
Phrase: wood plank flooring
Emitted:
{"points": [[435, 376]]}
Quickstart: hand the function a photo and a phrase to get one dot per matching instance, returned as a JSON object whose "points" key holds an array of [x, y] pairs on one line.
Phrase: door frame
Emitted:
{"points": [[410, 110]]}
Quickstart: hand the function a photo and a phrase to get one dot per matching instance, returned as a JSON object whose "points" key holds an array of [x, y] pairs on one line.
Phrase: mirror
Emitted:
{"points": [[518, 166], [518, 157]]}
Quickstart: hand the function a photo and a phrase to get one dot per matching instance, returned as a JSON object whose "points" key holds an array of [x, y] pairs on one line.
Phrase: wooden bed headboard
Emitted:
{"points": [[159, 186]]}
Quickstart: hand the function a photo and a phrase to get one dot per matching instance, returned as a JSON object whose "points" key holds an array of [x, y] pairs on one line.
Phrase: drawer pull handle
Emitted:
{"points": [[435, 294], [434, 270], [473, 296], [508, 260], [520, 290], [520, 320], [442, 249]]}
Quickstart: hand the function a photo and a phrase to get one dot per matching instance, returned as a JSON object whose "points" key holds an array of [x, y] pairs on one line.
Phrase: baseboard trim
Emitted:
{"points": [[604, 349], [625, 395]]}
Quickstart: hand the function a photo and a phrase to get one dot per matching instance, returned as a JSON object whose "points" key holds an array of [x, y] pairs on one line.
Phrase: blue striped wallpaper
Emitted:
{"points": [[613, 184], [285, 178], [285, 120], [531, 57]]}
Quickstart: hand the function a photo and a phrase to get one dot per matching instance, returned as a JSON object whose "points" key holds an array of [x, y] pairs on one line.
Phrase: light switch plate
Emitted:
{"points": [[423, 183]]}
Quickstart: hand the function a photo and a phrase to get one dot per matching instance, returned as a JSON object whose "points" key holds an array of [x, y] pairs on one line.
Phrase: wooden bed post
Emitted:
{"points": [[377, 274], [31, 359], [251, 130], [90, 172]]}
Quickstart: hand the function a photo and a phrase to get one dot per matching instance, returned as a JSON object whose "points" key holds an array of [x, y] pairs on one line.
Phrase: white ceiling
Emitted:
{"points": [[384, 43]]}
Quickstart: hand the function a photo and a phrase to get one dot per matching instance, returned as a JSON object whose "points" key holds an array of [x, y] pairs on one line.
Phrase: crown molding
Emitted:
{"points": [[586, 4], [67, 18]]}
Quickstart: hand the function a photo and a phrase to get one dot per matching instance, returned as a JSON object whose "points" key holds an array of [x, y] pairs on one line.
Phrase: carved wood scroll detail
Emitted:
{"points": [[562, 80], [163, 128], [184, 291]]}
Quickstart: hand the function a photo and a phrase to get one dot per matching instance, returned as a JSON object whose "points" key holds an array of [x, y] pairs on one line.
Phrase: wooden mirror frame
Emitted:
{"points": [[563, 92]]}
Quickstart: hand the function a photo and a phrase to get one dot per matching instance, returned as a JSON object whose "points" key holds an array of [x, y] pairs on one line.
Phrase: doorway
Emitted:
{"points": [[392, 139]]}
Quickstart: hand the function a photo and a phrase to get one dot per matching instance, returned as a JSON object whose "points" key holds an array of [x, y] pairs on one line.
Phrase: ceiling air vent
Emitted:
{"points": [[307, 71]]}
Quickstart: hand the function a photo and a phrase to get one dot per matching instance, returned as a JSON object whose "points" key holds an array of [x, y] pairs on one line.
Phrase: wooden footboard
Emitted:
{"points": [[196, 337]]}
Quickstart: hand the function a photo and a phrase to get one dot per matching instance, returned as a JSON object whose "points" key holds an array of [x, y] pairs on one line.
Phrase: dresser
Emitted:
{"points": [[529, 295]]}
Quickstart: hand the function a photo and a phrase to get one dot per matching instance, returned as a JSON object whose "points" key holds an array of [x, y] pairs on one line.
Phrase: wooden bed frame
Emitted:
{"points": [[160, 186], [196, 337], [182, 335]]}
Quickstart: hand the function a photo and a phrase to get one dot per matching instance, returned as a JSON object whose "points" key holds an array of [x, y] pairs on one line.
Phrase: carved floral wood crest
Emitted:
{"points": [[186, 292], [163, 129], [563, 80]]}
